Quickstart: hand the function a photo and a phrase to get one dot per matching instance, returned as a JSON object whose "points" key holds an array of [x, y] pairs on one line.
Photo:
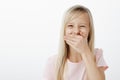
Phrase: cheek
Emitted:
{"points": [[68, 31], [85, 32]]}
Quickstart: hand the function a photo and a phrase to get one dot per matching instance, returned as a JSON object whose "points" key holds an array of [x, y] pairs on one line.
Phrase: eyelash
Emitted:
{"points": [[82, 26], [70, 25]]}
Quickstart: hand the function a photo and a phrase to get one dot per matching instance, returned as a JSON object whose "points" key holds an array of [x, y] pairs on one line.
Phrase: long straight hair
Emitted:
{"points": [[63, 47]]}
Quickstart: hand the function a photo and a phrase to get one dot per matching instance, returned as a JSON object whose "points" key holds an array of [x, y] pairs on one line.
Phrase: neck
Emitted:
{"points": [[74, 56]]}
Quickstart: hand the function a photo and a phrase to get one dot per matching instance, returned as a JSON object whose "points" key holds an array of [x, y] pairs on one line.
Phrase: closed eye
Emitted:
{"points": [[82, 26], [70, 26]]}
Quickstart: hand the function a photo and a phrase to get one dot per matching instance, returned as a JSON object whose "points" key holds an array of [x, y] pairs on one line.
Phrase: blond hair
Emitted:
{"points": [[63, 47]]}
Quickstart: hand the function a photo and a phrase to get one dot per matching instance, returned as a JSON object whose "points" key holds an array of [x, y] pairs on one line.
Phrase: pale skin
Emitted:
{"points": [[76, 34]]}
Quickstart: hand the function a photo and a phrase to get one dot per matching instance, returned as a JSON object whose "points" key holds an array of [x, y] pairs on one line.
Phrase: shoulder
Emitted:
{"points": [[49, 69], [51, 59], [50, 63], [100, 59], [98, 51]]}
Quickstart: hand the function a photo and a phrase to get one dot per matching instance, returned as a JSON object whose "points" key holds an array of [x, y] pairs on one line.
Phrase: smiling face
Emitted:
{"points": [[78, 25]]}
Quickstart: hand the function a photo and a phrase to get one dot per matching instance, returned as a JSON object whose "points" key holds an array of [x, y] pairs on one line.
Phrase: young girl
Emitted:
{"points": [[77, 58]]}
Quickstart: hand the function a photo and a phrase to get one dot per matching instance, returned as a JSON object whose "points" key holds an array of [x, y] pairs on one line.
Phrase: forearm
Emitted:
{"points": [[91, 67]]}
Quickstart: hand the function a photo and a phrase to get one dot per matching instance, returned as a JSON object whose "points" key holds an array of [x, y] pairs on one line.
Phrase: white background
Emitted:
{"points": [[29, 34]]}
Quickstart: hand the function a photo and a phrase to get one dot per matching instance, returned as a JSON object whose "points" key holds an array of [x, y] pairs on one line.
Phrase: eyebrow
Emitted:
{"points": [[79, 23]]}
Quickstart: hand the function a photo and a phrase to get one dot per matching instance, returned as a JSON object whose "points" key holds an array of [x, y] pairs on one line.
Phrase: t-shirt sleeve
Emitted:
{"points": [[100, 59], [48, 72]]}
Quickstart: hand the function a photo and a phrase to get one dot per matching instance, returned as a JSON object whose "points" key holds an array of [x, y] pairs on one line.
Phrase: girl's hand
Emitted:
{"points": [[78, 43]]}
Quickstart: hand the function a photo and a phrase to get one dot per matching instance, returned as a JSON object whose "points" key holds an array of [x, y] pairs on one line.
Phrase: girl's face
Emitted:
{"points": [[79, 25]]}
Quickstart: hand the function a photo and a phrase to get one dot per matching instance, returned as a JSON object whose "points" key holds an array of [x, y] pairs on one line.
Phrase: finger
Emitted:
{"points": [[70, 38], [84, 34], [70, 43], [78, 37]]}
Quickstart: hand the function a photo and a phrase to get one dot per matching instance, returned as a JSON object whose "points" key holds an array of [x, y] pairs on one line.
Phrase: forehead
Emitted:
{"points": [[81, 18]]}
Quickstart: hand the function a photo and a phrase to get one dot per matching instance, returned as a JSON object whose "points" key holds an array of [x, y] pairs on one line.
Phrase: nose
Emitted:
{"points": [[76, 31]]}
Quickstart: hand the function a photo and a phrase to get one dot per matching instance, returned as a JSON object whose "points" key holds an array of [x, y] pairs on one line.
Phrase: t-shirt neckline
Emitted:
{"points": [[70, 62]]}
